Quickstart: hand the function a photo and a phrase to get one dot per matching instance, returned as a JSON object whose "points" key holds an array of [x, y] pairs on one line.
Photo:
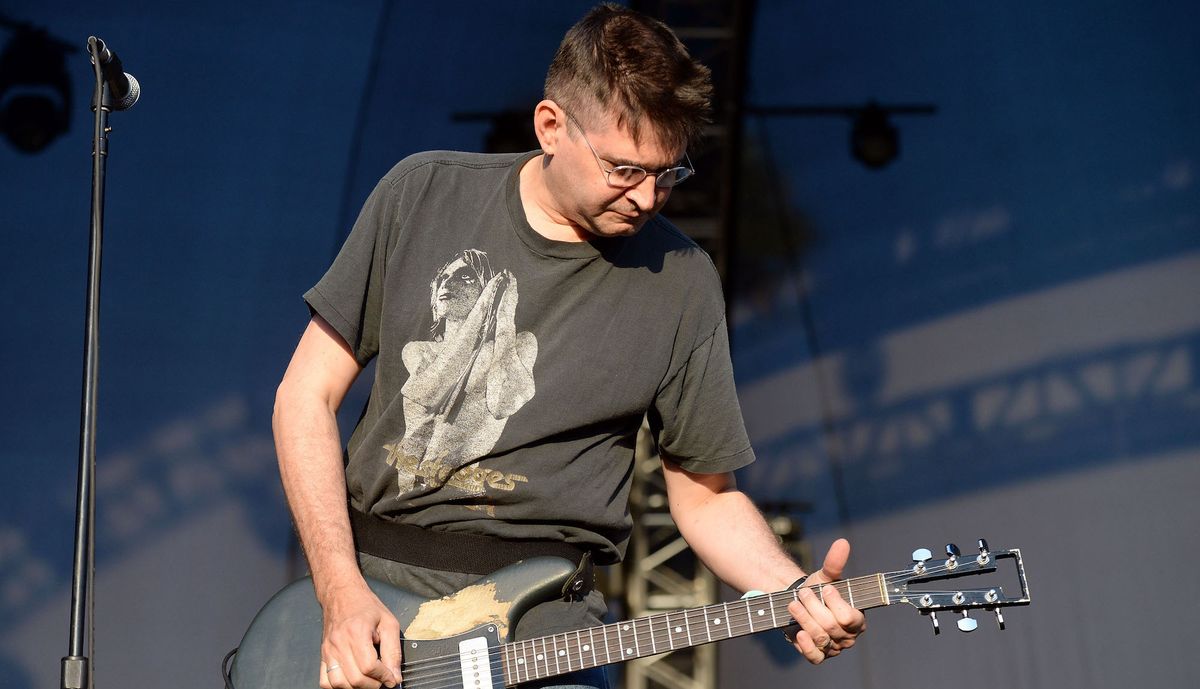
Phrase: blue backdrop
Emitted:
{"points": [[998, 332]]}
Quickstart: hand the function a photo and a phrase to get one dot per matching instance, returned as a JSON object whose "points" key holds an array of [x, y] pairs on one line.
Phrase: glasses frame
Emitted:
{"points": [[644, 173]]}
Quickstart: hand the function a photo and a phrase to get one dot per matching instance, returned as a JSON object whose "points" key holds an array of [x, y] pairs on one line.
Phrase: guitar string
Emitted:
{"points": [[576, 657], [611, 630], [868, 582], [575, 660]]}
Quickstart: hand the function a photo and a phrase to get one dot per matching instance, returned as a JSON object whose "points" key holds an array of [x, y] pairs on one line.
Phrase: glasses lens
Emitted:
{"points": [[626, 175], [672, 176]]}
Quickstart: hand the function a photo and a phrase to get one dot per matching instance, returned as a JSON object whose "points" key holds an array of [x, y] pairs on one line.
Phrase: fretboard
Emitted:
{"points": [[558, 654]]}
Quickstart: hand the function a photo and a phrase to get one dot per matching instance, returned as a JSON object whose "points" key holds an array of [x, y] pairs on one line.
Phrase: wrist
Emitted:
{"points": [[329, 587]]}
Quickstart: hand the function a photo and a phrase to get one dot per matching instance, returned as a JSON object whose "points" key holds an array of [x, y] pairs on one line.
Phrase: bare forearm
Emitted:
{"points": [[310, 465], [731, 537]]}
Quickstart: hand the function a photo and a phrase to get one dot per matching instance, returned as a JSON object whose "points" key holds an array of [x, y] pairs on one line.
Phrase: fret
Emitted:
{"points": [[650, 625], [607, 650], [521, 661], [557, 655], [821, 593], [850, 593], [531, 660], [707, 625], [592, 643], [749, 616], [537, 658], [687, 624], [534, 662], [637, 649], [579, 645], [541, 657], [774, 622], [728, 625]]}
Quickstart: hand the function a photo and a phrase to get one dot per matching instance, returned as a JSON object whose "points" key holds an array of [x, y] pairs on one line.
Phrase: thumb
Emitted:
{"points": [[835, 560], [389, 651]]}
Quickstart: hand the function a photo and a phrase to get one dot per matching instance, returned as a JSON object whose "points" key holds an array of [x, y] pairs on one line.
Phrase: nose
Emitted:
{"points": [[643, 194]]}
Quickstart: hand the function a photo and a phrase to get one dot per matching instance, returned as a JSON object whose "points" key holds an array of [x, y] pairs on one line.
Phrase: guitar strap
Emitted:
{"points": [[463, 552]]}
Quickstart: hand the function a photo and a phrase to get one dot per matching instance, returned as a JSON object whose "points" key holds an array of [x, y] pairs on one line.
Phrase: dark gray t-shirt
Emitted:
{"points": [[513, 371]]}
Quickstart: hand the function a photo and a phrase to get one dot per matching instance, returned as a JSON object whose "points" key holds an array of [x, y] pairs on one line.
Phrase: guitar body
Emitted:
{"points": [[282, 647]]}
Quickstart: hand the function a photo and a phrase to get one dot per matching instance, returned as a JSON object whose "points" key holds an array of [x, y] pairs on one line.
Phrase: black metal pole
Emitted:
{"points": [[75, 670]]}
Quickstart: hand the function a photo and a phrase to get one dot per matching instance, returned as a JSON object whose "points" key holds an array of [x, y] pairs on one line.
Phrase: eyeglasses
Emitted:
{"points": [[625, 176]]}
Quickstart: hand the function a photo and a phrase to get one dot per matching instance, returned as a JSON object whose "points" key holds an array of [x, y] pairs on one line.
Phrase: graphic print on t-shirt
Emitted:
{"points": [[465, 382]]}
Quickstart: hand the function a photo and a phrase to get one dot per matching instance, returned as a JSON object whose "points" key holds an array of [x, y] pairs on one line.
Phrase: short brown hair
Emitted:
{"points": [[618, 61]]}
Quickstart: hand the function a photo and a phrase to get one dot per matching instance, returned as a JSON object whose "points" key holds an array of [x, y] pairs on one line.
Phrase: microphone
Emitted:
{"points": [[124, 89]]}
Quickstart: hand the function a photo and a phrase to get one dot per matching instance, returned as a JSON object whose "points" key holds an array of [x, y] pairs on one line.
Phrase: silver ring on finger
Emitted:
{"points": [[330, 668]]}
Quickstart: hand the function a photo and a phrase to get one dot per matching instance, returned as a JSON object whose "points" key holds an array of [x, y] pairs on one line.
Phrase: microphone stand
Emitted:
{"points": [[75, 666]]}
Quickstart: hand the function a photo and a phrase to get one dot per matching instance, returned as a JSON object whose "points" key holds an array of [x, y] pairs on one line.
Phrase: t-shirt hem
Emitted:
{"points": [[319, 305], [716, 466]]}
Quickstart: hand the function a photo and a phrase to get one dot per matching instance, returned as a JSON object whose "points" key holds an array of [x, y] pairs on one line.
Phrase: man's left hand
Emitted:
{"points": [[829, 626]]}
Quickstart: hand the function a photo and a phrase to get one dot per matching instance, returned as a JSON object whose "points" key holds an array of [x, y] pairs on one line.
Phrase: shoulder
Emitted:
{"points": [[681, 275], [675, 257], [424, 165]]}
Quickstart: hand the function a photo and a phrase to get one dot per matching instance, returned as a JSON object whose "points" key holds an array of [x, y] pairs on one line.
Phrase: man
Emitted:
{"points": [[510, 417]]}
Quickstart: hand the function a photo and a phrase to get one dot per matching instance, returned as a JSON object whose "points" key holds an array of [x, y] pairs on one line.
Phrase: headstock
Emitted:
{"points": [[925, 569]]}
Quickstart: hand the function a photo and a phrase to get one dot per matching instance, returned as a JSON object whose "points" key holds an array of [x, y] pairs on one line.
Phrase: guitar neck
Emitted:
{"points": [[559, 654]]}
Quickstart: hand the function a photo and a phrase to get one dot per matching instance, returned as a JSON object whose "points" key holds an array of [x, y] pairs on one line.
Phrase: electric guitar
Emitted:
{"points": [[463, 640]]}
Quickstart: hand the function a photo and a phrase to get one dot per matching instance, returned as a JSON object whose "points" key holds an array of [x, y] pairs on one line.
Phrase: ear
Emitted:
{"points": [[550, 125]]}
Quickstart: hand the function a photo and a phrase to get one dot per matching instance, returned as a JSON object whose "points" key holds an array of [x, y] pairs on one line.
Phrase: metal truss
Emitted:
{"points": [[660, 572]]}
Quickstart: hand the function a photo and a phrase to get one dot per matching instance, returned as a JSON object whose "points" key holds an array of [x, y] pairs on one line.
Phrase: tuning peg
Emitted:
{"points": [[983, 546], [952, 553], [967, 623], [999, 619], [937, 628], [920, 555], [983, 552]]}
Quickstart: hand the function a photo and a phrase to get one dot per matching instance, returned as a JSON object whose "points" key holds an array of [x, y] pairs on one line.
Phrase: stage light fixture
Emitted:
{"points": [[874, 142], [35, 89]]}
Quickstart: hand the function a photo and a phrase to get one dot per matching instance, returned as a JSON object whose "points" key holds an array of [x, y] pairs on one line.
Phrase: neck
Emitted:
{"points": [[540, 210]]}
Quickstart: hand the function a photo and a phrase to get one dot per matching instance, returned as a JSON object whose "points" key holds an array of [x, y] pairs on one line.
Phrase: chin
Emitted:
{"points": [[624, 228]]}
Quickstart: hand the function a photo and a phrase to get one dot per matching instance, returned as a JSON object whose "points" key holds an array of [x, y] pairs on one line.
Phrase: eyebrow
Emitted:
{"points": [[623, 161]]}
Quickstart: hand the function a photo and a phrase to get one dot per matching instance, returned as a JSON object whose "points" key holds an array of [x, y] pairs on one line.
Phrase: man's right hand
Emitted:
{"points": [[360, 647]]}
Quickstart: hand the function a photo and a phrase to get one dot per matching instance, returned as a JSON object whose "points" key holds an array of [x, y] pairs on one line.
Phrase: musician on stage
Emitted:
{"points": [[501, 422]]}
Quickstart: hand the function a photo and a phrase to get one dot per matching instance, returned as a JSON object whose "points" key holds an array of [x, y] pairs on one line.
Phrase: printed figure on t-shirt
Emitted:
{"points": [[465, 382]]}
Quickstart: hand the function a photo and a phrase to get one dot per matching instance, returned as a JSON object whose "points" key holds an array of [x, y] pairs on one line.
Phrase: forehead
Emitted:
{"points": [[615, 143], [455, 267]]}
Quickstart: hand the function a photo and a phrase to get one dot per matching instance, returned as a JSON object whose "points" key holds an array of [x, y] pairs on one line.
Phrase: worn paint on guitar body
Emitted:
{"points": [[282, 647]]}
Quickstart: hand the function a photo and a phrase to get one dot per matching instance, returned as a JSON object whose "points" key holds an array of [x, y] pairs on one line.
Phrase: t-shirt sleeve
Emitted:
{"points": [[350, 295], [696, 414]]}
